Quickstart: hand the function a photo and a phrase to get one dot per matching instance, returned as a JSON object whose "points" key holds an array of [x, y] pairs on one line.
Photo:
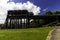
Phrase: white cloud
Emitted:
{"points": [[5, 6]]}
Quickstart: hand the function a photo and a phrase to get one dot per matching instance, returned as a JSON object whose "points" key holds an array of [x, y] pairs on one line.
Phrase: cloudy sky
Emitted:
{"points": [[35, 6], [46, 5]]}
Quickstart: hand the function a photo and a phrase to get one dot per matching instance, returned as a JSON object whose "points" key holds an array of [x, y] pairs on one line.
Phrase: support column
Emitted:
{"points": [[24, 24], [7, 23], [28, 22], [10, 23], [38, 23], [34, 22], [21, 23], [13, 23], [18, 23]]}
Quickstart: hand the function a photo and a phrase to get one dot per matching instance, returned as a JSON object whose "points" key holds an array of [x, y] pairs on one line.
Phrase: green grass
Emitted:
{"points": [[25, 34]]}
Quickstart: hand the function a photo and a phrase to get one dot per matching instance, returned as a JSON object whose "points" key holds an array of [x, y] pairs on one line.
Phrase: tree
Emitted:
{"points": [[49, 13], [57, 12], [52, 13]]}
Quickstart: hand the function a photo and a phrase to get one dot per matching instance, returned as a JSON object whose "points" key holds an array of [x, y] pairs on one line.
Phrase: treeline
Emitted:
{"points": [[50, 22], [56, 22], [52, 13]]}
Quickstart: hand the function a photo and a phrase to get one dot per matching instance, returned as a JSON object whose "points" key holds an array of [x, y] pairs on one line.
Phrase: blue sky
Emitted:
{"points": [[46, 5]]}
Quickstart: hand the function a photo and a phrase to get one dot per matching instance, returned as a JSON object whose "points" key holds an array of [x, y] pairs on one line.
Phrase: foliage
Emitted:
{"points": [[49, 13], [52, 13]]}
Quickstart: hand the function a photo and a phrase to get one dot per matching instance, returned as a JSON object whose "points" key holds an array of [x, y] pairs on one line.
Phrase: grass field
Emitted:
{"points": [[25, 34]]}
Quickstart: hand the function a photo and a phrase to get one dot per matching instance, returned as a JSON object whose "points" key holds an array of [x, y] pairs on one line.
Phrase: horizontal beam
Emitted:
{"points": [[34, 17]]}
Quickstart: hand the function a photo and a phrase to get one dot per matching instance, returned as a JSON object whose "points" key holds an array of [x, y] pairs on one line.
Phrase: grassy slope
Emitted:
{"points": [[25, 34]]}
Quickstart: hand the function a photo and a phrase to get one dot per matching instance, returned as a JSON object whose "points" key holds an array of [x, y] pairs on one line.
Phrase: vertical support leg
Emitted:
{"points": [[24, 23], [6, 23], [18, 23], [34, 22], [10, 23], [38, 23], [28, 22], [21, 23]]}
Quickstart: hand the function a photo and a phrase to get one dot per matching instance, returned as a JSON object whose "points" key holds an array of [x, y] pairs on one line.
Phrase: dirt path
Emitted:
{"points": [[56, 34]]}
